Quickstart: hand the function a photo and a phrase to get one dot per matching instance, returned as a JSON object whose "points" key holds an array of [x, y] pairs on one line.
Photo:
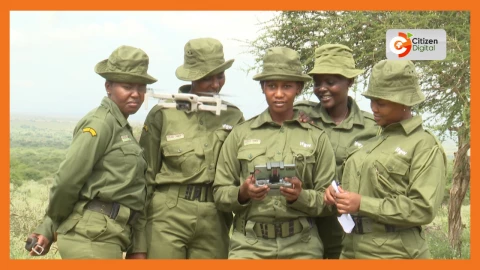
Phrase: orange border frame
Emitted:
{"points": [[218, 5]]}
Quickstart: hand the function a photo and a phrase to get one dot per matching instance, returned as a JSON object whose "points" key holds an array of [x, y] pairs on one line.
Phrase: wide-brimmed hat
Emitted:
{"points": [[396, 81], [126, 64], [335, 59], [281, 63], [202, 57]]}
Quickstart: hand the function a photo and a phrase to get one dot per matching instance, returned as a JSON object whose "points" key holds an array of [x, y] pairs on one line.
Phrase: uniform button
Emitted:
{"points": [[278, 153], [390, 168], [368, 151], [179, 150], [276, 202], [300, 158], [201, 123], [205, 145], [281, 130], [250, 156], [210, 167]]}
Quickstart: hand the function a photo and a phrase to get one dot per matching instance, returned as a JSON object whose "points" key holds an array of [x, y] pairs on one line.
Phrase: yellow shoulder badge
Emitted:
{"points": [[91, 130], [145, 127]]}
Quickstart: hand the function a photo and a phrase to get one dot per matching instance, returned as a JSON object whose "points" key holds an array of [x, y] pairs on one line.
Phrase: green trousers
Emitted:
{"points": [[331, 233], [86, 234], [303, 245], [406, 244], [182, 229]]}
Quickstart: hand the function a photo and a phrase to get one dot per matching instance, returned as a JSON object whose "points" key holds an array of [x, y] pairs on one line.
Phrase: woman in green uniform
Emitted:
{"points": [[394, 184], [100, 187], [275, 223], [181, 149], [341, 118]]}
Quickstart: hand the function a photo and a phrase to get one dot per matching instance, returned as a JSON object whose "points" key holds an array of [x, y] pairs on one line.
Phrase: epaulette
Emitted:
{"points": [[101, 112], [305, 103], [440, 146], [247, 121]]}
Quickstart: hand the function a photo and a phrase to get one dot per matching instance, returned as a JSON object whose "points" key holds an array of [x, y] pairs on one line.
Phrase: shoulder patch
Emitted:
{"points": [[90, 130], [145, 127], [305, 103]]}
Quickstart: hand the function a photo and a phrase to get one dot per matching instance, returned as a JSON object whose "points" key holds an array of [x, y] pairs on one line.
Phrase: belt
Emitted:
{"points": [[274, 230], [111, 210], [193, 192], [367, 225]]}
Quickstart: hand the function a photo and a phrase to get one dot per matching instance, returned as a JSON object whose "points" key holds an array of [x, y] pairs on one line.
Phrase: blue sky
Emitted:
{"points": [[53, 55]]}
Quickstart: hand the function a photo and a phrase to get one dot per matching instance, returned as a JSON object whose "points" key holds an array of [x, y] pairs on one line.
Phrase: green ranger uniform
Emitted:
{"points": [[359, 126], [401, 177], [273, 228], [182, 150], [356, 128], [400, 174], [104, 164]]}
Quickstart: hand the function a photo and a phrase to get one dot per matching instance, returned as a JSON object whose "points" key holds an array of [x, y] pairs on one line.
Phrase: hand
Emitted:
{"points": [[291, 194], [304, 118], [330, 195], [43, 242], [136, 256], [248, 191], [347, 202]]}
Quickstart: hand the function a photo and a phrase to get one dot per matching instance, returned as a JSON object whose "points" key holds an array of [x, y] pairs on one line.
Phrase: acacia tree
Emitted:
{"points": [[446, 83]]}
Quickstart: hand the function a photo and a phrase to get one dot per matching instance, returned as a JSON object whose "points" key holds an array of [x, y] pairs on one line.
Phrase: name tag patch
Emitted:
{"points": [[125, 138], [175, 137], [251, 141]]}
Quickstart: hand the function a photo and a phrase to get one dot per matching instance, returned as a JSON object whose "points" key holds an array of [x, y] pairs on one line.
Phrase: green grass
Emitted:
{"points": [[28, 202]]}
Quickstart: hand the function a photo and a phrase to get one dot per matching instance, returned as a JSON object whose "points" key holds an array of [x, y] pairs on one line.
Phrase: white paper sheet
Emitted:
{"points": [[345, 219]]}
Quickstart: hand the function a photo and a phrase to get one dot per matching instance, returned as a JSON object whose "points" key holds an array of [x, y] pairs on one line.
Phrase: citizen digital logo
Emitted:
{"points": [[416, 44]]}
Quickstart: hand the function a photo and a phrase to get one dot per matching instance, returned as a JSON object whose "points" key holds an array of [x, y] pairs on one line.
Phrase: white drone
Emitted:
{"points": [[187, 102]]}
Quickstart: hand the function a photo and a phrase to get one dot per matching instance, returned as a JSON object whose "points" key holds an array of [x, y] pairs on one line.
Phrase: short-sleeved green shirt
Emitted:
{"points": [[260, 140], [356, 128], [104, 162]]}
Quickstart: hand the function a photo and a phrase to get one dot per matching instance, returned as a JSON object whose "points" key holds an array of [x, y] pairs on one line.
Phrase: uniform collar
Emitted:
{"points": [[407, 125], [266, 118], [355, 117], [113, 108]]}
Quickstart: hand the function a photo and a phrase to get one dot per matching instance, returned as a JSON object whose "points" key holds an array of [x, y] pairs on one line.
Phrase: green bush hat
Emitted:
{"points": [[126, 64], [202, 57], [396, 81], [281, 63], [335, 59]]}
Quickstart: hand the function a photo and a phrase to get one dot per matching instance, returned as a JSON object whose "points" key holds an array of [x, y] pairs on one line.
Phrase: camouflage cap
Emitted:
{"points": [[202, 57], [126, 64], [335, 59], [396, 81], [281, 63]]}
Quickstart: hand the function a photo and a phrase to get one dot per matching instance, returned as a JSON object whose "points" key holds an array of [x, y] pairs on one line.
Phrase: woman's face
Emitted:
{"points": [[331, 89], [280, 95], [128, 96], [386, 112], [210, 84]]}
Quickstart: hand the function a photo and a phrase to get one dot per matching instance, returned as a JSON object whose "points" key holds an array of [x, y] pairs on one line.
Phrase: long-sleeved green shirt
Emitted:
{"points": [[182, 148], [358, 127], [260, 140], [104, 161], [401, 175]]}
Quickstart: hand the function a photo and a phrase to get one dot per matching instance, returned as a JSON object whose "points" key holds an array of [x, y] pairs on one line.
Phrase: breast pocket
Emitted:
{"points": [[304, 160], [392, 173], [251, 156], [181, 157]]}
